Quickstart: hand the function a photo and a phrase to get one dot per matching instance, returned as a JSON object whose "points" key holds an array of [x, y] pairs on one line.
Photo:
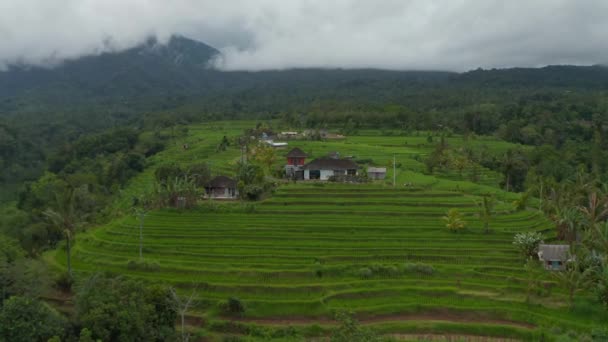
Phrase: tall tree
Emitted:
{"points": [[515, 168], [568, 221], [182, 305], [26, 319], [141, 207], [486, 211], [66, 219], [120, 309], [573, 279], [596, 209]]}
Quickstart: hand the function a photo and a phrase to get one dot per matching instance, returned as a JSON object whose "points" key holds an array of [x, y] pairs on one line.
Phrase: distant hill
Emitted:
{"points": [[156, 85], [153, 78], [149, 68], [567, 76]]}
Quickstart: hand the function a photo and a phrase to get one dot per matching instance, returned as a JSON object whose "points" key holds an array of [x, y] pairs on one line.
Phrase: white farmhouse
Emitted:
{"points": [[325, 167]]}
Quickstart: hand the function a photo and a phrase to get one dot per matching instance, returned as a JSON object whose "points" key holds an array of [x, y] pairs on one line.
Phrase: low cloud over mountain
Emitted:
{"points": [[274, 34]]}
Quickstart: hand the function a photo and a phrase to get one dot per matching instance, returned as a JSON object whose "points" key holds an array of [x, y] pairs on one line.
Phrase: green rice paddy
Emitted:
{"points": [[312, 249]]}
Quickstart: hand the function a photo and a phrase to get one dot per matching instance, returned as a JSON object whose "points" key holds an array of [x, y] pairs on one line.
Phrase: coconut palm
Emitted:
{"points": [[596, 209], [65, 218], [597, 238], [568, 222], [486, 207], [574, 280]]}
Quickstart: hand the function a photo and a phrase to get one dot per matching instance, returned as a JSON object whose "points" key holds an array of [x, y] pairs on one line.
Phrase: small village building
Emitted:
{"points": [[326, 167], [376, 173], [554, 257], [289, 135], [295, 161], [222, 187], [275, 144]]}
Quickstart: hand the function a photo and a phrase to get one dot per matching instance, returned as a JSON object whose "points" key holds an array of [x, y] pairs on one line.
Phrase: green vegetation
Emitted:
{"points": [[506, 158], [313, 249]]}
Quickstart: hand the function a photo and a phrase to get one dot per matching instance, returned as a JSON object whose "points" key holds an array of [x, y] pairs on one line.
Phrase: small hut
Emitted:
{"points": [[376, 173], [554, 257], [222, 187]]}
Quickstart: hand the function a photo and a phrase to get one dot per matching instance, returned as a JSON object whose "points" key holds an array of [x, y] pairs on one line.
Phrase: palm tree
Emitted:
{"points": [[141, 207], [453, 220], [64, 217], [597, 238], [596, 209], [573, 280], [140, 214], [486, 207], [509, 163], [567, 222]]}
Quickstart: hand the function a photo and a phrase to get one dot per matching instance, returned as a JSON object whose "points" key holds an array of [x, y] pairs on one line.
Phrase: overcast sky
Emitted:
{"points": [[275, 34]]}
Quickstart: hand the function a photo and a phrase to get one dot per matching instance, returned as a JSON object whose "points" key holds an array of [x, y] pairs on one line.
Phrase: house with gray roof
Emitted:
{"points": [[222, 187], [554, 257], [376, 173], [325, 167]]}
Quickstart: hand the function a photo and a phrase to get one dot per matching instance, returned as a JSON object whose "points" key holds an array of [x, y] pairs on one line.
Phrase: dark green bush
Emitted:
{"points": [[64, 282], [232, 306], [150, 266], [419, 268]]}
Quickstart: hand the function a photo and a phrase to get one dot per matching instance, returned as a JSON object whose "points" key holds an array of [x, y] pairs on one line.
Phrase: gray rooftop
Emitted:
{"points": [[554, 252], [376, 169]]}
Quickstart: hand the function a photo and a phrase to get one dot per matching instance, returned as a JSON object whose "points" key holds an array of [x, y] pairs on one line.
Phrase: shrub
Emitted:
{"points": [[249, 208], [364, 161], [64, 282], [233, 306], [419, 268], [314, 330], [348, 179], [350, 330], [454, 221], [150, 266], [286, 332], [527, 243], [252, 192], [365, 273]]}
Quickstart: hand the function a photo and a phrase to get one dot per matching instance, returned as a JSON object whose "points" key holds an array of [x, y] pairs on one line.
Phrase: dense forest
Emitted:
{"points": [[71, 137], [151, 87]]}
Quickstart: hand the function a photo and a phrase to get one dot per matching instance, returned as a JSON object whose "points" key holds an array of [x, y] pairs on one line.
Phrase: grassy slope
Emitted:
{"points": [[303, 253]]}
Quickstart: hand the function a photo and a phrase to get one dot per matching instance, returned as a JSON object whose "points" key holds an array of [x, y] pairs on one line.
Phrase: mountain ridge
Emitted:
{"points": [[154, 76]]}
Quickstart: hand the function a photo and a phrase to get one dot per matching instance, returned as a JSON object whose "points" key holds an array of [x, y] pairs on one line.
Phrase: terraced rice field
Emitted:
{"points": [[313, 249]]}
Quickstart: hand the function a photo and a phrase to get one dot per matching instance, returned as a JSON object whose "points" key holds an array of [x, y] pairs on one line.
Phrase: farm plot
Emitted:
{"points": [[312, 249]]}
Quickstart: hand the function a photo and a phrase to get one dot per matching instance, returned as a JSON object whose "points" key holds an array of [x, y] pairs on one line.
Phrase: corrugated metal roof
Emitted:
{"points": [[554, 252], [296, 153], [327, 163], [376, 169]]}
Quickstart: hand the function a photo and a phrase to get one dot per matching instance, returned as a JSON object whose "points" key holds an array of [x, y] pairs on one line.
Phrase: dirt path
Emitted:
{"points": [[435, 316]]}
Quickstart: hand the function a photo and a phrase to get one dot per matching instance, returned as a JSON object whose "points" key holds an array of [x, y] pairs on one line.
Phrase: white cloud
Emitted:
{"points": [[277, 34]]}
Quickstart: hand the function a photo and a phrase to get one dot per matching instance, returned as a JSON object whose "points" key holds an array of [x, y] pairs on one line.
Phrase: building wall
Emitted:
{"points": [[223, 193], [377, 175], [295, 161], [325, 174]]}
